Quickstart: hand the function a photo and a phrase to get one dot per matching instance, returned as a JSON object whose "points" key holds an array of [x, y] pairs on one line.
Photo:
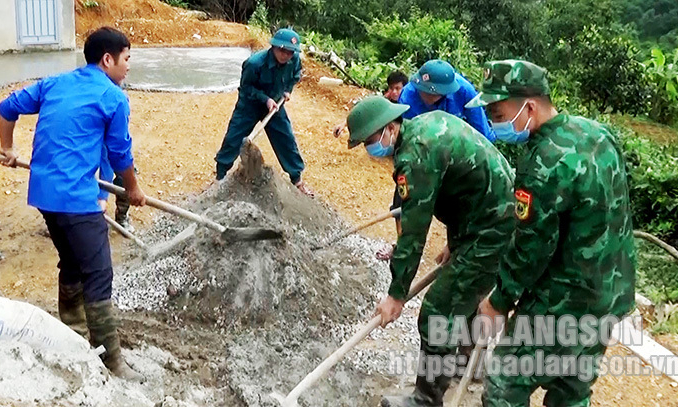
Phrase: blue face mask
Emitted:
{"points": [[506, 131], [378, 150]]}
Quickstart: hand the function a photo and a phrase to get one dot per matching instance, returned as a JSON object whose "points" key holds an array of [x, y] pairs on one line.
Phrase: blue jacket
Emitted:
{"points": [[453, 104], [80, 113]]}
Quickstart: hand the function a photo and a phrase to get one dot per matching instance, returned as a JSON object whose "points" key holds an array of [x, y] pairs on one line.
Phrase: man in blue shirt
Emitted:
{"points": [[80, 113], [437, 86]]}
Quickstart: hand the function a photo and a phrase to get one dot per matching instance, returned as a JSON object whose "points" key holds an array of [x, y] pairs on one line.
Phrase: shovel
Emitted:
{"points": [[262, 124], [392, 214], [249, 159], [461, 389], [229, 235], [115, 225], [126, 233], [291, 399]]}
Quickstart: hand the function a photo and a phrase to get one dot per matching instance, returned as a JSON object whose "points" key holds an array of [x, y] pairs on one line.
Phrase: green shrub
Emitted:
{"points": [[177, 3], [372, 75], [657, 279], [656, 272], [259, 18], [384, 51], [653, 185], [663, 73], [90, 4], [421, 38]]}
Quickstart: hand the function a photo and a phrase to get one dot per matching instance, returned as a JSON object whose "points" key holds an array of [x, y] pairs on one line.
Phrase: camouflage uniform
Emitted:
{"points": [[444, 168], [572, 252]]}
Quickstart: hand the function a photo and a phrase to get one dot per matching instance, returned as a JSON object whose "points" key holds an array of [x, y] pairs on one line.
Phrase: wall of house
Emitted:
{"points": [[8, 31], [9, 39]]}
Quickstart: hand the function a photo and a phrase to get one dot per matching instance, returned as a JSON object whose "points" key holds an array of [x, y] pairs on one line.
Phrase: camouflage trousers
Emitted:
{"points": [[565, 388], [460, 286]]}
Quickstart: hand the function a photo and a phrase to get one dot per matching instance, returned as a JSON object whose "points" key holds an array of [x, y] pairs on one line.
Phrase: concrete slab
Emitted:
{"points": [[164, 69]]}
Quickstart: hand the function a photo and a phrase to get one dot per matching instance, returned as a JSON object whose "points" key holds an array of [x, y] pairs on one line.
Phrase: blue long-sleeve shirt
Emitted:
{"points": [[80, 112], [452, 103]]}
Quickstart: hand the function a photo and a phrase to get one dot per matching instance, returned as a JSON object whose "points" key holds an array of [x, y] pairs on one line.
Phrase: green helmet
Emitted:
{"points": [[286, 39], [370, 115], [436, 77], [510, 78]]}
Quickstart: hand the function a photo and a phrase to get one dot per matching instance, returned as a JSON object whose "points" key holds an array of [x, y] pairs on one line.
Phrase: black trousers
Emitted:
{"points": [[84, 252]]}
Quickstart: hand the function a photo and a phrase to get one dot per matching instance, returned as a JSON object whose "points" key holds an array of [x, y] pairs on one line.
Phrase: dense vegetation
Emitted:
{"points": [[607, 59]]}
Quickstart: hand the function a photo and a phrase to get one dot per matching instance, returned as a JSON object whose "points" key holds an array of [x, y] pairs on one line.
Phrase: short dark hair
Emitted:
{"points": [[105, 40], [395, 77]]}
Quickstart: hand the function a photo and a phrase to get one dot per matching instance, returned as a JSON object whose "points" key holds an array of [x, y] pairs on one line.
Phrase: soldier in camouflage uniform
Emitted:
{"points": [[572, 252], [443, 168]]}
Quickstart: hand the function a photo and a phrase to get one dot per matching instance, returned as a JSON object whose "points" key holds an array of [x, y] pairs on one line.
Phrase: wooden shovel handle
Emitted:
{"points": [[164, 206], [150, 201], [262, 125], [338, 354]]}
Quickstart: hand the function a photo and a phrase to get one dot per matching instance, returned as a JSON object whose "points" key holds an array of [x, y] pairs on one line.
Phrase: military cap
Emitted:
{"points": [[510, 78], [370, 115], [286, 39], [436, 77]]}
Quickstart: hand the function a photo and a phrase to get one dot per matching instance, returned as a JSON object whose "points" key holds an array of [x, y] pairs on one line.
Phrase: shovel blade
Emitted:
{"points": [[250, 234]]}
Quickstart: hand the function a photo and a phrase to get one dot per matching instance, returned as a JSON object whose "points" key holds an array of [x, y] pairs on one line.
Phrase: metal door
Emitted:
{"points": [[37, 22]]}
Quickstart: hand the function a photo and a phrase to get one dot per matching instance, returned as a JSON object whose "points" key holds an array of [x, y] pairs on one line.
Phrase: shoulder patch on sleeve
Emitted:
{"points": [[403, 189], [523, 204]]}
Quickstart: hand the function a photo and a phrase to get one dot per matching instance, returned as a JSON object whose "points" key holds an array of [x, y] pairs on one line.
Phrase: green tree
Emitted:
{"points": [[607, 70]]}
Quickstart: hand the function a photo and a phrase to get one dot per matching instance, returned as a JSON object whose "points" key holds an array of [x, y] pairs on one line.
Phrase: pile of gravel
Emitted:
{"points": [[282, 306]]}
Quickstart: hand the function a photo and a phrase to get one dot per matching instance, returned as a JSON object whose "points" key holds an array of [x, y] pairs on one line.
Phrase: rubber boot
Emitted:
{"points": [[122, 207], [425, 394], [103, 331], [72, 308], [123, 221]]}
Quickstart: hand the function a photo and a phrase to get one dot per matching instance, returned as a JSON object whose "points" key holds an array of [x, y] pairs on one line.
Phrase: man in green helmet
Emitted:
{"points": [[572, 253], [443, 168], [267, 76]]}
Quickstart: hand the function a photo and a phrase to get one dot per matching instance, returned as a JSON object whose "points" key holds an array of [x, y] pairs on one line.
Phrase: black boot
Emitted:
{"points": [[426, 393]]}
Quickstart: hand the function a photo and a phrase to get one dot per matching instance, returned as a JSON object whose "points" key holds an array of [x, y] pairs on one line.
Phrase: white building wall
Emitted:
{"points": [[9, 38]]}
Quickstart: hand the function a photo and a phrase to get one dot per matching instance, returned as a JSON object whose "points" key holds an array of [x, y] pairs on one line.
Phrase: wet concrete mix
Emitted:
{"points": [[225, 324]]}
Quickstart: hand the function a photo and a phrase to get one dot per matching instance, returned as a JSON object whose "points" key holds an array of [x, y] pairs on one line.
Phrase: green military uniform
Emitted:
{"points": [[444, 168], [264, 78], [572, 252]]}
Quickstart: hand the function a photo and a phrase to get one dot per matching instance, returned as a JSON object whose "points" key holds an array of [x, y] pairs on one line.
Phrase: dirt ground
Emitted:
{"points": [[175, 138], [154, 23]]}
